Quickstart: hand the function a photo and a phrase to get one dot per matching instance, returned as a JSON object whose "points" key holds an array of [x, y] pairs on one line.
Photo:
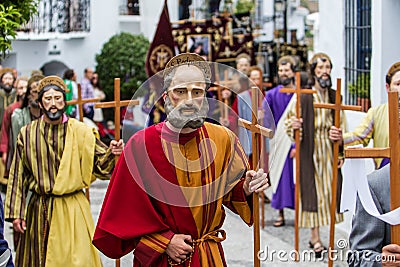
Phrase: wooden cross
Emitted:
{"points": [[117, 104], [391, 152], [337, 107], [224, 111], [224, 85], [256, 132], [223, 104], [80, 103], [219, 89], [263, 156], [298, 91]]}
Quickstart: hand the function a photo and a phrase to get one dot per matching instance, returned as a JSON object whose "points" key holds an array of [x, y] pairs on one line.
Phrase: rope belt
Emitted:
{"points": [[211, 236]]}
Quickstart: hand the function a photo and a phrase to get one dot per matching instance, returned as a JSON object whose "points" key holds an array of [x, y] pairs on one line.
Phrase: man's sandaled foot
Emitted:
{"points": [[279, 222], [317, 247]]}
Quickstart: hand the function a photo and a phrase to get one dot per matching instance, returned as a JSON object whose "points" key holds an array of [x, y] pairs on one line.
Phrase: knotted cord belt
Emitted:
{"points": [[213, 236]]}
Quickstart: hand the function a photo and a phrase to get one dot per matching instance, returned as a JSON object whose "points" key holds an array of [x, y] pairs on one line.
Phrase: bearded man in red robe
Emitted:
{"points": [[167, 195]]}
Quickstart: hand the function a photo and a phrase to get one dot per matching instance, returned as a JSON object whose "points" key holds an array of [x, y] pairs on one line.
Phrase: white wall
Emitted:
{"points": [[76, 53], [385, 45], [385, 41], [331, 35], [30, 55], [79, 53], [268, 27], [297, 22]]}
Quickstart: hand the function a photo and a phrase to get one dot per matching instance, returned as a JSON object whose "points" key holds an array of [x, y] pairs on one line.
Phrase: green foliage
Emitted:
{"points": [[13, 14], [243, 6], [309, 34], [123, 56], [361, 86]]}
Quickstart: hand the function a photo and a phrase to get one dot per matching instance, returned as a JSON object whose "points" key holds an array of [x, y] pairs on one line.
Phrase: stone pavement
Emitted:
{"points": [[276, 242]]}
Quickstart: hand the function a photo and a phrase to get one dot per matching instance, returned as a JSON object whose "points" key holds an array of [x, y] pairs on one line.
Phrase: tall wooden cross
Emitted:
{"points": [[263, 155], [224, 111], [298, 91], [219, 92], [80, 103], [337, 107], [223, 85], [117, 104], [223, 104], [391, 152], [256, 132]]}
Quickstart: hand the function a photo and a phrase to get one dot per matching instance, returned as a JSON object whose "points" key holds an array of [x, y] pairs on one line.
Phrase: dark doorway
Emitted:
{"points": [[54, 68]]}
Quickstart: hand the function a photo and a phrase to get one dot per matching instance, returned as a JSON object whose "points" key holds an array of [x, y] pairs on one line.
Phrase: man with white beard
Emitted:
{"points": [[171, 211]]}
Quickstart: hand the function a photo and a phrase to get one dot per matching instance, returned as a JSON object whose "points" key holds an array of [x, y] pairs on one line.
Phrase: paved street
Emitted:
{"points": [[276, 242]]}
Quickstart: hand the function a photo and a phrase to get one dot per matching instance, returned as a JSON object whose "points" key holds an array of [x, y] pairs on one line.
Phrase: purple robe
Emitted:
{"points": [[284, 194]]}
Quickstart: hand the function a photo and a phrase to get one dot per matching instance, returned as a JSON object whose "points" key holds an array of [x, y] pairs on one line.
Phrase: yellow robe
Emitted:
{"points": [[374, 126], [55, 162]]}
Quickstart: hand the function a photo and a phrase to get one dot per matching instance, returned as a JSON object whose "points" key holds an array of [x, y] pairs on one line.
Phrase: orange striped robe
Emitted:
{"points": [[166, 184]]}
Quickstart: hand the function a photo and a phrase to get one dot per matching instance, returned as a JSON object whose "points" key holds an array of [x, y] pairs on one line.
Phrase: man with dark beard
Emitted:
{"points": [[7, 97], [281, 169], [55, 158], [21, 87], [316, 151], [7, 92], [166, 196], [29, 110]]}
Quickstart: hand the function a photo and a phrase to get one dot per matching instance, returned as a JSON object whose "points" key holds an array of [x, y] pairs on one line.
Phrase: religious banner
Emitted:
{"points": [[221, 39], [214, 39], [162, 48]]}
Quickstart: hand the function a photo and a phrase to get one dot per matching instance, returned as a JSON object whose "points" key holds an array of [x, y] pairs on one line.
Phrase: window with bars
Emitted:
{"points": [[358, 48], [129, 7]]}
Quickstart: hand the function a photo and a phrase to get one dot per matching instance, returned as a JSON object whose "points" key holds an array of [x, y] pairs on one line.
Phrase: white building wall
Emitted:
{"points": [[385, 40], [297, 22], [331, 36], [268, 27], [79, 53], [29, 55], [385, 45]]}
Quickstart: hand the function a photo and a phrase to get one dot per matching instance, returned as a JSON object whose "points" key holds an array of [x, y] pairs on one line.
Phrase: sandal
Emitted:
{"points": [[317, 247], [279, 222]]}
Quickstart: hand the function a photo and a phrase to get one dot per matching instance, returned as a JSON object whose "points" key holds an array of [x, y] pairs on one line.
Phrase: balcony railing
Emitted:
{"points": [[60, 16]]}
